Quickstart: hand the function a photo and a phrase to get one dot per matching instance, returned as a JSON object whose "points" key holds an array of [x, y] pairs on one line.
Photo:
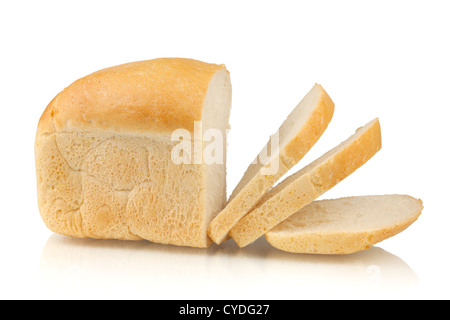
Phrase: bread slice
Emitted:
{"points": [[298, 133], [104, 161], [309, 183], [345, 225]]}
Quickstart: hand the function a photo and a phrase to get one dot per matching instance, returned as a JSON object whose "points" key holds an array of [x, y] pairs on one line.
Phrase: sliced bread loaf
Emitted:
{"points": [[298, 133], [306, 185], [345, 225]]}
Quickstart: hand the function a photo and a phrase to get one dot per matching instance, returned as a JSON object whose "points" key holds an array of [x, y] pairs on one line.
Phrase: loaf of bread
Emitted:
{"points": [[304, 186], [298, 133], [104, 153], [345, 225], [138, 151]]}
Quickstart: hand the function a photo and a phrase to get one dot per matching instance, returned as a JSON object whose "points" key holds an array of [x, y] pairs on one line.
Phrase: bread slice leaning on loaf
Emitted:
{"points": [[104, 161], [306, 185], [345, 225], [298, 133]]}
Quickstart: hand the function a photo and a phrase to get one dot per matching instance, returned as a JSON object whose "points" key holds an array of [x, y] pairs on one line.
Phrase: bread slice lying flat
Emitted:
{"points": [[345, 225], [298, 133], [306, 185]]}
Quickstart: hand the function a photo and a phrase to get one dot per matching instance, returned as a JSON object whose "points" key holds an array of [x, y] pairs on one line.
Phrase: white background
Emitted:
{"points": [[386, 59]]}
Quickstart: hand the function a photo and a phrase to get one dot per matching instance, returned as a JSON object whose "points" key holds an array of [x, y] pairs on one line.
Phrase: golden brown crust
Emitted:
{"points": [[316, 125], [157, 96], [344, 163], [45, 125], [307, 184]]}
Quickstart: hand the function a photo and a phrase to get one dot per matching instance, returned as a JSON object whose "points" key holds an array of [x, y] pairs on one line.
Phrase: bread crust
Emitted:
{"points": [[247, 197], [307, 184], [152, 96]]}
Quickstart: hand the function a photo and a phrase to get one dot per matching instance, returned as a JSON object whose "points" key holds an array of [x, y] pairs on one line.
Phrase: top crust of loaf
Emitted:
{"points": [[152, 96]]}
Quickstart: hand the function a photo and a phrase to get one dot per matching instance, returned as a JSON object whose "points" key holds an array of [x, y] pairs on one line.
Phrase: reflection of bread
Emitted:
{"points": [[309, 183], [299, 132], [103, 153], [345, 225], [74, 266]]}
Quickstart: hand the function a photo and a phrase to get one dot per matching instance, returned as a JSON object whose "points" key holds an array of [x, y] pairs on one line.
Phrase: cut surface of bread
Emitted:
{"points": [[309, 183], [345, 225], [298, 133], [104, 146]]}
